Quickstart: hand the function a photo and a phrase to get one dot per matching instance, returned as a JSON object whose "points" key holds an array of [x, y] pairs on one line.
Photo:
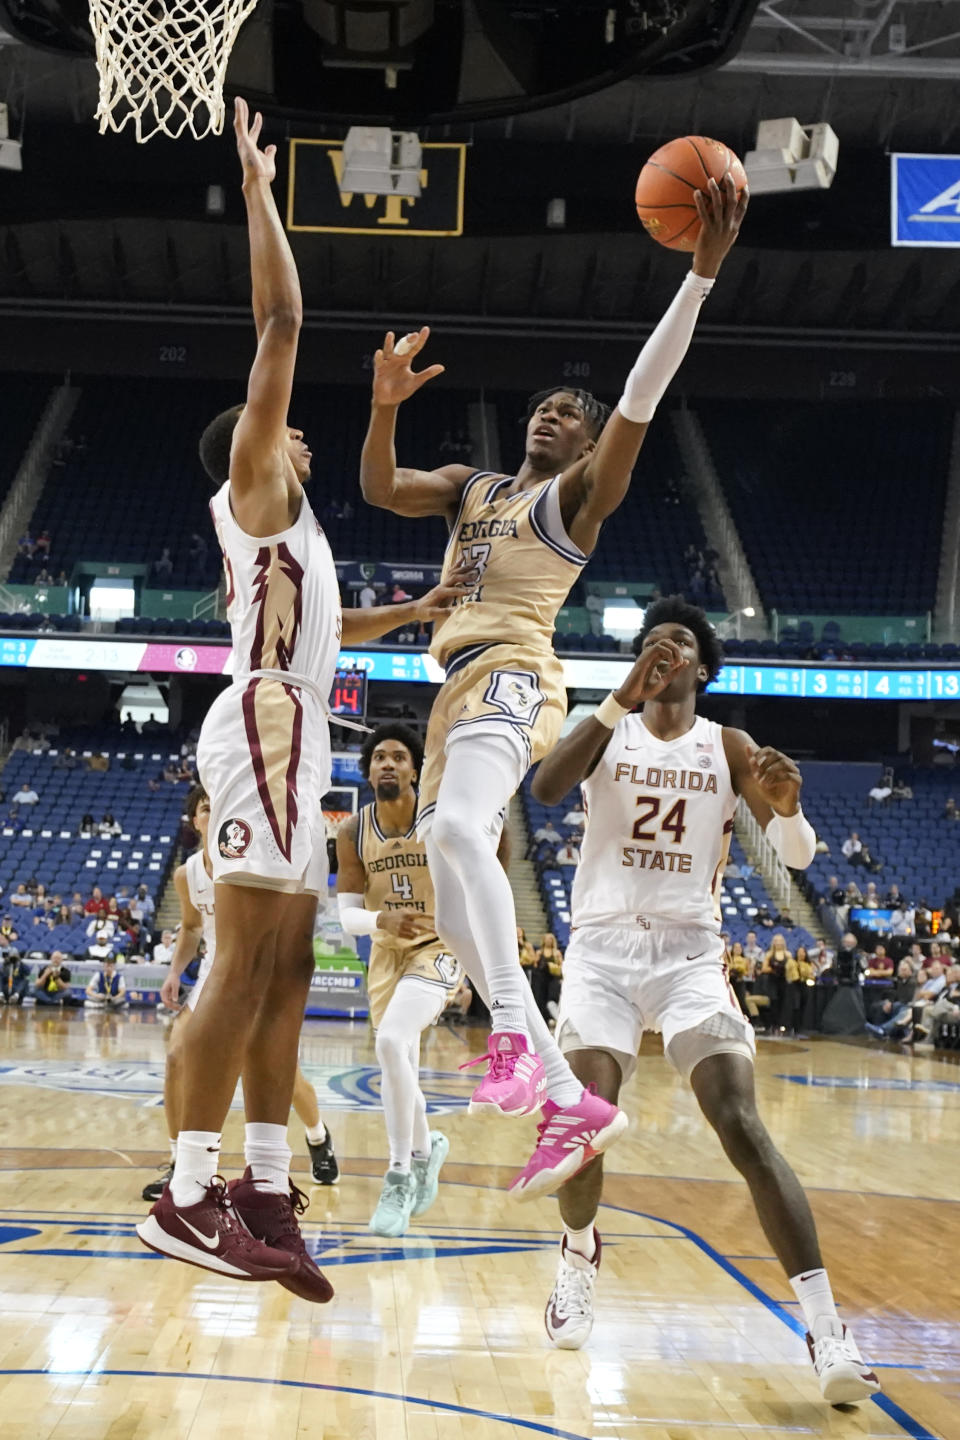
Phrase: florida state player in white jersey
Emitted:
{"points": [[264, 760], [661, 788]]}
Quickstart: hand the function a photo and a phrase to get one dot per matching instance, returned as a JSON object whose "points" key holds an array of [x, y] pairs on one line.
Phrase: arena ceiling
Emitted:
{"points": [[101, 222]]}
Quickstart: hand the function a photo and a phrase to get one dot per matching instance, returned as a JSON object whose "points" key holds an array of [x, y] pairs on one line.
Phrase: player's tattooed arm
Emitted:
{"points": [[383, 482], [351, 878], [767, 779]]}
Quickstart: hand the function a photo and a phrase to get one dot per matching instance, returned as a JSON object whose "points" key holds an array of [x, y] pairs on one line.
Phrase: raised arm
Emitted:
{"points": [[382, 481], [590, 492], [258, 461], [577, 755]]}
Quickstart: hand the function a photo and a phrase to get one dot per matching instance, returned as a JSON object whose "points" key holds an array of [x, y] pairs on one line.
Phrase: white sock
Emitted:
{"points": [[582, 1241], [563, 1087], [479, 779], [173, 1149], [198, 1156], [813, 1291], [411, 1009], [316, 1134], [268, 1155]]}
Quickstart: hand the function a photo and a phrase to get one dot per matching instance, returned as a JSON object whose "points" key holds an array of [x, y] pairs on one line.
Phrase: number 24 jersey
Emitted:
{"points": [[659, 821]]}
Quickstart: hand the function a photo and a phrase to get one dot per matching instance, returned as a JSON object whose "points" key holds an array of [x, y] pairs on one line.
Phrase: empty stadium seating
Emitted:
{"points": [[920, 850], [821, 498], [49, 849], [22, 399]]}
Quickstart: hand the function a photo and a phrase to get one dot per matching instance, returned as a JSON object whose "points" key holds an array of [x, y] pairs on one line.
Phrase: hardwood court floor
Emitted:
{"points": [[440, 1336]]}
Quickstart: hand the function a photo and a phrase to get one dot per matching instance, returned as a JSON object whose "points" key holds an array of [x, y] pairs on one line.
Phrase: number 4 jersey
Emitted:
{"points": [[659, 820]]}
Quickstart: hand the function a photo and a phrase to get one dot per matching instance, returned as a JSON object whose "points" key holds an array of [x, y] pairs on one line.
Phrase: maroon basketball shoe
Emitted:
{"points": [[209, 1234], [272, 1218]]}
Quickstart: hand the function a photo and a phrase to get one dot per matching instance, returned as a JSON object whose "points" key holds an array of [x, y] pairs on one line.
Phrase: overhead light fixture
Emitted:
{"points": [[216, 200], [557, 214], [791, 156], [11, 151], [380, 161]]}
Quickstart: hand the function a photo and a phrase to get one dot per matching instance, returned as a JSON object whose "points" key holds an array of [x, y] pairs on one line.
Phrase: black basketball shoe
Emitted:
{"points": [[323, 1162], [155, 1188]]}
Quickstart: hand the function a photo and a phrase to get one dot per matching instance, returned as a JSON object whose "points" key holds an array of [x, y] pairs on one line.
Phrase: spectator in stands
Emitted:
{"points": [[99, 764], [63, 579], [821, 958], [41, 546], [26, 545], [568, 854], [879, 965], [101, 921], [9, 935], [852, 894], [14, 979], [163, 953], [852, 848], [26, 795], [53, 983], [152, 726], [834, 891], [893, 899], [798, 974], [163, 568], [881, 792], [753, 953], [947, 939], [103, 945], [740, 971], [950, 811], [64, 915], [871, 900], [107, 988], [109, 826], [142, 907], [894, 1012], [399, 596], [764, 918], [945, 1007], [935, 979], [66, 760], [367, 597], [901, 922], [95, 903], [552, 957], [575, 817], [77, 907], [901, 790], [21, 898], [87, 827], [43, 576], [171, 772]]}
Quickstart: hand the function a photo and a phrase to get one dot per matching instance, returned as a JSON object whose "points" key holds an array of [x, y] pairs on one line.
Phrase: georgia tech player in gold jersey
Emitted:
{"points": [[529, 534], [385, 891]]}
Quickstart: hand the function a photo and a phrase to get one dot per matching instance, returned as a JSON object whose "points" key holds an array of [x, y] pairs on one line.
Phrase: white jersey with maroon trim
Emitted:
{"points": [[283, 600], [659, 820], [200, 888]]}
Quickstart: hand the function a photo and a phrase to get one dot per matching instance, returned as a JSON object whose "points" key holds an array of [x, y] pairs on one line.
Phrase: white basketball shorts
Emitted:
{"points": [[264, 760], [619, 981]]}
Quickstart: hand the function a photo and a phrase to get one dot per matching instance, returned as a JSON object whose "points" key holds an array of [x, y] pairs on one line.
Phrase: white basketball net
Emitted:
{"points": [[162, 63]]}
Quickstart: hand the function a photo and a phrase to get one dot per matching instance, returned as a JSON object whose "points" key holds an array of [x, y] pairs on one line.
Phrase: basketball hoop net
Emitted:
{"points": [[162, 63]]}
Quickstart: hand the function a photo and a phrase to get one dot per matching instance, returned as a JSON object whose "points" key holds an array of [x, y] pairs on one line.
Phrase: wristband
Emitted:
{"points": [[355, 918], [610, 712], [793, 838]]}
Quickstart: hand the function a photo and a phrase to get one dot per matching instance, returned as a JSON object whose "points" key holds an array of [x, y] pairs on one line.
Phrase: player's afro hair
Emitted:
{"points": [[194, 798], [215, 443], [595, 413], [392, 730], [674, 610]]}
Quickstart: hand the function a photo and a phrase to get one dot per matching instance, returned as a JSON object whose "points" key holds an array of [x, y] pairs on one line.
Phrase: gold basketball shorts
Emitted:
{"points": [[389, 964]]}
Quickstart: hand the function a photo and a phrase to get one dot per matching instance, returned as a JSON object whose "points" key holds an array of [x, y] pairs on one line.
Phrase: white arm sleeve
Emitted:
{"points": [[793, 838], [660, 358], [355, 918]]}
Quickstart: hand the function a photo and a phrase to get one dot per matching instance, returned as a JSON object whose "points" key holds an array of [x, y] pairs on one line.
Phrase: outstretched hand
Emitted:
{"points": [[257, 164], [459, 583], [652, 672], [393, 378], [721, 215]]}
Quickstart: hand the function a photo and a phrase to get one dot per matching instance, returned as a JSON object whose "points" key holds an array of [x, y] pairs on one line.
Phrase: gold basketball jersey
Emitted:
{"points": [[396, 875], [527, 564]]}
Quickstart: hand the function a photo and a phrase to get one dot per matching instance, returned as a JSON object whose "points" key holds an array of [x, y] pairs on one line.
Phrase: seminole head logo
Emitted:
{"points": [[234, 838]]}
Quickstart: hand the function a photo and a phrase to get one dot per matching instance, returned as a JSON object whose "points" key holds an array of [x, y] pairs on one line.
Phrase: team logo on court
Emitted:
{"points": [[234, 838]]}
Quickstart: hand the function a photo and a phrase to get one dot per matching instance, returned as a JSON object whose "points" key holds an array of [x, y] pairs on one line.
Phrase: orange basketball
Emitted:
{"points": [[666, 184]]}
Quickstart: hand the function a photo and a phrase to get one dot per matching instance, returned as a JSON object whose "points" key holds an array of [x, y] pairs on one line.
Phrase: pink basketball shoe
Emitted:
{"points": [[566, 1141], [514, 1083]]}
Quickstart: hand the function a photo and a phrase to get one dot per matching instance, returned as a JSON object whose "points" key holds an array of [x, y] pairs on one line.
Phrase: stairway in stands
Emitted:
{"points": [[523, 877]]}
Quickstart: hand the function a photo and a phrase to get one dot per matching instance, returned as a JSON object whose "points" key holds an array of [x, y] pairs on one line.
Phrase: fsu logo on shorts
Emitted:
{"points": [[234, 838]]}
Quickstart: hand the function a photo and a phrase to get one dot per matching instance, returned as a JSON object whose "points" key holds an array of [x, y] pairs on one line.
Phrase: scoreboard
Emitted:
{"points": [[836, 683]]}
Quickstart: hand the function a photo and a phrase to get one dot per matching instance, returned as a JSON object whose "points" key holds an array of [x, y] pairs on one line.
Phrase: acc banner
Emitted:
{"points": [[315, 202], [925, 200]]}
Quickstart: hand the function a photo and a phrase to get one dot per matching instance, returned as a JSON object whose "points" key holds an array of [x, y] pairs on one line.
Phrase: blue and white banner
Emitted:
{"points": [[925, 201]]}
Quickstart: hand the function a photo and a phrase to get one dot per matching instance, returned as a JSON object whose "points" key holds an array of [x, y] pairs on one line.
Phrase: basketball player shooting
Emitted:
{"points": [[503, 701], [661, 788]]}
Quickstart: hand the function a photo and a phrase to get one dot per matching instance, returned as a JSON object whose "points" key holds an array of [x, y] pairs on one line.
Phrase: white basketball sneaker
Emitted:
{"points": [[843, 1374], [569, 1313]]}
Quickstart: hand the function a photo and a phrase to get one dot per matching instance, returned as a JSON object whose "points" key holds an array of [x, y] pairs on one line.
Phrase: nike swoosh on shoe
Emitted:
{"points": [[211, 1242]]}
